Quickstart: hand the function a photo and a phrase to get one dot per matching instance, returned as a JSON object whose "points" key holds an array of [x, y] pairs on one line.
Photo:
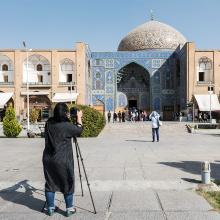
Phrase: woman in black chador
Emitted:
{"points": [[58, 157]]}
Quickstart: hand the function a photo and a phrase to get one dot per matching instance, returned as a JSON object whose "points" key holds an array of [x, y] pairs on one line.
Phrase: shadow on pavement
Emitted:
{"points": [[12, 194], [22, 198], [194, 167], [191, 180], [138, 140]]}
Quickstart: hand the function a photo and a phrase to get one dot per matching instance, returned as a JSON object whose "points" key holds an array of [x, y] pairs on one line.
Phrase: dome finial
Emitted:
{"points": [[151, 15]]}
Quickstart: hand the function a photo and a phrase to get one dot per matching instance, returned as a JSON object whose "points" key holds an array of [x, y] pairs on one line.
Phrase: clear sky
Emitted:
{"points": [[103, 23]]}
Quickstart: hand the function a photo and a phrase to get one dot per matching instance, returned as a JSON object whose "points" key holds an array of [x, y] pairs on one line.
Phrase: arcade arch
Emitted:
{"points": [[39, 70]]}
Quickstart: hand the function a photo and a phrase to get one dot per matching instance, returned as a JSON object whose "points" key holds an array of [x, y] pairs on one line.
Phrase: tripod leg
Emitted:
{"points": [[80, 176], [87, 181]]}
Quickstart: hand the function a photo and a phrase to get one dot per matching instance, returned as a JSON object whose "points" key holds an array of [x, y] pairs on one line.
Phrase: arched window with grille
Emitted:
{"points": [[204, 70]]}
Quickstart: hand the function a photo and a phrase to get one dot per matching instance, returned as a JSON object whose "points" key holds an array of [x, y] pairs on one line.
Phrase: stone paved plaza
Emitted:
{"points": [[131, 177]]}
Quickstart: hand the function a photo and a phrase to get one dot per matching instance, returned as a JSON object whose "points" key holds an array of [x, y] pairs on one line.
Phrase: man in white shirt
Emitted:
{"points": [[154, 117]]}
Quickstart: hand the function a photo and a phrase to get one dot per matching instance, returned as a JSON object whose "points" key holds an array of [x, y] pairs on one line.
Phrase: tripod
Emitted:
{"points": [[80, 158]]}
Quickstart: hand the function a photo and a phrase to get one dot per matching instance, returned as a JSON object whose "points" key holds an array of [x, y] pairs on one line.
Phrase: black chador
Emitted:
{"points": [[58, 156]]}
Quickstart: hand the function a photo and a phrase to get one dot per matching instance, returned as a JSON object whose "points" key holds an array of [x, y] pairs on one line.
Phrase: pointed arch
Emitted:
{"points": [[127, 62], [67, 71], [6, 70], [133, 80], [38, 69]]}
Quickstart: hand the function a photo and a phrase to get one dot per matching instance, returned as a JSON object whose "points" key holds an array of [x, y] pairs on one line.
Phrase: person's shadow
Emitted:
{"points": [[25, 198]]}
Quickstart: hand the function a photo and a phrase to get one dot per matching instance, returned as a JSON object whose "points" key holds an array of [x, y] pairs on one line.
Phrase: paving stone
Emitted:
{"points": [[202, 215], [84, 204], [141, 215], [136, 201], [183, 200], [22, 216]]}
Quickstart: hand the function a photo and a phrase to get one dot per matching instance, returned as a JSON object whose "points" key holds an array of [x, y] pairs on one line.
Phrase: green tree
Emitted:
{"points": [[34, 115], [11, 127], [93, 121]]}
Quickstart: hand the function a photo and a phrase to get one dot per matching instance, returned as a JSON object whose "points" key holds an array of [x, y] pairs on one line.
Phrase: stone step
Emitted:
{"points": [[107, 185]]}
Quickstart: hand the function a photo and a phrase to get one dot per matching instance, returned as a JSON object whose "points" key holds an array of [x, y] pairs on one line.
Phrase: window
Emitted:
{"points": [[98, 85], [69, 78], [89, 68], [40, 78], [168, 80], [201, 76], [5, 78], [98, 75], [4, 67], [205, 73], [168, 108], [39, 67], [205, 63], [70, 88], [98, 62], [210, 88]]}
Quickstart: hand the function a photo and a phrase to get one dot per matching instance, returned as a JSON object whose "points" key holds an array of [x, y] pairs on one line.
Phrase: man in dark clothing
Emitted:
{"points": [[119, 116], [58, 161], [114, 117], [123, 116], [109, 116]]}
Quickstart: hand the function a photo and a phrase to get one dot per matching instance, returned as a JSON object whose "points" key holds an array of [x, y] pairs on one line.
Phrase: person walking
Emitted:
{"points": [[58, 162], [109, 116], [155, 117]]}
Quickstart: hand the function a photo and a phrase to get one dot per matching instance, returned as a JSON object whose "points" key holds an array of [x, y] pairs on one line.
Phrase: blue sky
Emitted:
{"points": [[103, 23]]}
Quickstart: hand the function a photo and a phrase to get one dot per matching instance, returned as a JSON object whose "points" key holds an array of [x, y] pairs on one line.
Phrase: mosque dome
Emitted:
{"points": [[152, 35]]}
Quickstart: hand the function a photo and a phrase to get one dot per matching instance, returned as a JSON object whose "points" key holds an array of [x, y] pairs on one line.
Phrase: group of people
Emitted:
{"points": [[202, 117], [137, 115], [120, 116], [130, 115]]}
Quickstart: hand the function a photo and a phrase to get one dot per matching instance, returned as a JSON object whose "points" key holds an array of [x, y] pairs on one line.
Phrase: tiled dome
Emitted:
{"points": [[152, 35]]}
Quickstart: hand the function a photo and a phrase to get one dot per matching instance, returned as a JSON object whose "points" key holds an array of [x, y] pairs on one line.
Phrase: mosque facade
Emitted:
{"points": [[154, 68]]}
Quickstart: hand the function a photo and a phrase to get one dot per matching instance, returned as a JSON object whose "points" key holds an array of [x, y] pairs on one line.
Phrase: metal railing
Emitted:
{"points": [[67, 83], [37, 84], [6, 83], [202, 82]]}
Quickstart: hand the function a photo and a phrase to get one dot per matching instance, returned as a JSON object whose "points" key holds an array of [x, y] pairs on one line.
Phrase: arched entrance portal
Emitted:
{"points": [[134, 81], [42, 103]]}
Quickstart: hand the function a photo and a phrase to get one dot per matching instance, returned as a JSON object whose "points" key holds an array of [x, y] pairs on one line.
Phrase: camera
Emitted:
{"points": [[73, 112], [73, 115]]}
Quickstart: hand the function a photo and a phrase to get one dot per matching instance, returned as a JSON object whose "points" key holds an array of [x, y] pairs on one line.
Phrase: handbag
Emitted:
{"points": [[159, 122]]}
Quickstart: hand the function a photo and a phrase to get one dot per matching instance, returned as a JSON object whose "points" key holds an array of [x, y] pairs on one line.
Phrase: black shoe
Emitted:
{"points": [[152, 141], [157, 140]]}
